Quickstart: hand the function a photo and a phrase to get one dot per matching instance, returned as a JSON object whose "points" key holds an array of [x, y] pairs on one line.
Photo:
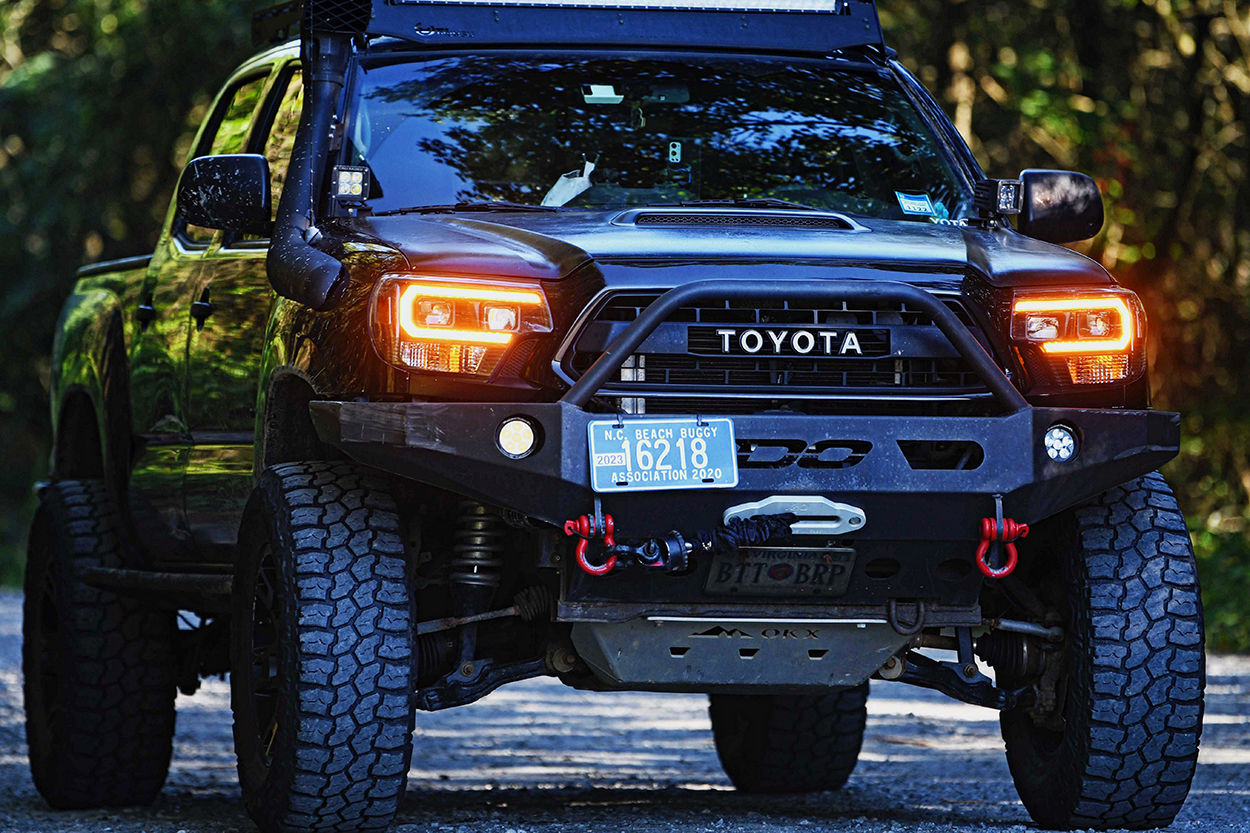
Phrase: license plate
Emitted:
{"points": [[640, 455], [781, 571]]}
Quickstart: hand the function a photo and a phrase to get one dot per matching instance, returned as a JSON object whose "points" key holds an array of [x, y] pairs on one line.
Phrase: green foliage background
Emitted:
{"points": [[99, 98]]}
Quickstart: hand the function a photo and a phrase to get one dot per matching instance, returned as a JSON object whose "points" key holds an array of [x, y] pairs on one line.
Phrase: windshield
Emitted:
{"points": [[606, 133]]}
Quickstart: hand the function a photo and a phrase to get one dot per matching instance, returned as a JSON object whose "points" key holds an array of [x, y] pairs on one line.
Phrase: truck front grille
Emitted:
{"points": [[699, 361], [665, 370]]}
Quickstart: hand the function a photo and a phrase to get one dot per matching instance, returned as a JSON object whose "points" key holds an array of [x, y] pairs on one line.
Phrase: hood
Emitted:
{"points": [[551, 246]]}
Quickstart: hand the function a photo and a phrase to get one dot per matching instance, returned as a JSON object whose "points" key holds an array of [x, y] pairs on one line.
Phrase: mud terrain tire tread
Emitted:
{"points": [[347, 655], [1137, 671], [779, 744], [110, 743]]}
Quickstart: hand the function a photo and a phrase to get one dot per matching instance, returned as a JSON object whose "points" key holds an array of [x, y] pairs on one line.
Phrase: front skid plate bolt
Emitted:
{"points": [[561, 659]]}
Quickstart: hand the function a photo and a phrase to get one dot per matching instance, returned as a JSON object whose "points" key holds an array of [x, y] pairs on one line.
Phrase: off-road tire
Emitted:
{"points": [[773, 743], [1133, 704], [98, 667], [341, 743]]}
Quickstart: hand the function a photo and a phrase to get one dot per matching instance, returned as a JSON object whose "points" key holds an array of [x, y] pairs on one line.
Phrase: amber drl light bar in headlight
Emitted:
{"points": [[470, 293], [461, 326], [458, 336], [413, 293], [1097, 326]]}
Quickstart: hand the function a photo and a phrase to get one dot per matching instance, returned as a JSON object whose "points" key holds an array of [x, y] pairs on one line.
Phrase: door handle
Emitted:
{"points": [[145, 313], [201, 310]]}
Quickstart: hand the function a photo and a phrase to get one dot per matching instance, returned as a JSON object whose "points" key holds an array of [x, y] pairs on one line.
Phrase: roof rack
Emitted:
{"points": [[802, 26]]}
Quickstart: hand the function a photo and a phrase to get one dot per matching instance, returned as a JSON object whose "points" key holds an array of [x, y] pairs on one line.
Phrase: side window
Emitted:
{"points": [[228, 133], [282, 134], [231, 133]]}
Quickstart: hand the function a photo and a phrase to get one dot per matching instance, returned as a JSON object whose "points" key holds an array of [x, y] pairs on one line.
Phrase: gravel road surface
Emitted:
{"points": [[536, 756]]}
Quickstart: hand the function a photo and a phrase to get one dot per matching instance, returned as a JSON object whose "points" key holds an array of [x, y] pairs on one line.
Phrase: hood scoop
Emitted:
{"points": [[736, 218]]}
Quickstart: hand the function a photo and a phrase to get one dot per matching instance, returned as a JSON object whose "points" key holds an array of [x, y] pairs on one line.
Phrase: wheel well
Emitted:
{"points": [[79, 453], [289, 435]]}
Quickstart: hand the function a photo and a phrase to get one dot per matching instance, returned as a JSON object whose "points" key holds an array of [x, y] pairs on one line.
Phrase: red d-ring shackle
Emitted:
{"points": [[584, 528], [1009, 532]]}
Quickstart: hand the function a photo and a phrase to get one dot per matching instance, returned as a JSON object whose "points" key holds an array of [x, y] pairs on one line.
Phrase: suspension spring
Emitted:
{"points": [[479, 543]]}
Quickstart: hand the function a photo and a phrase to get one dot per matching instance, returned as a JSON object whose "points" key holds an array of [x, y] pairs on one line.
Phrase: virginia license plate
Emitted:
{"points": [[639, 455], [781, 571]]}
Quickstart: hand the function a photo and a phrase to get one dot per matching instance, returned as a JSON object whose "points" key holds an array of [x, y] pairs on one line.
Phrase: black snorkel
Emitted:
{"points": [[297, 268]]}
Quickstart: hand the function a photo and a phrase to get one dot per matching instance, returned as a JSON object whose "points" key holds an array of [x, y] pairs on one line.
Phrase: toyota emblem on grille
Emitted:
{"points": [[802, 342]]}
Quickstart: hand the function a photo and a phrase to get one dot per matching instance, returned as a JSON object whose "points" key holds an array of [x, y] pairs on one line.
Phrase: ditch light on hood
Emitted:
{"points": [[453, 326]]}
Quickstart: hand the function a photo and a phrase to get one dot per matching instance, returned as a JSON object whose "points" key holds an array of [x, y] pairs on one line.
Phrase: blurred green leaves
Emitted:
{"points": [[1224, 574]]}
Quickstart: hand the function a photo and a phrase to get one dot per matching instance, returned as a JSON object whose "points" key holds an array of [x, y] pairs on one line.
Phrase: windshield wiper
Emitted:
{"points": [[749, 202], [484, 205]]}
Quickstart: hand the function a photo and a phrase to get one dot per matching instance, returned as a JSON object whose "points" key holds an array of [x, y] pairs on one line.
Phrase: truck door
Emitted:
{"points": [[226, 346], [158, 364]]}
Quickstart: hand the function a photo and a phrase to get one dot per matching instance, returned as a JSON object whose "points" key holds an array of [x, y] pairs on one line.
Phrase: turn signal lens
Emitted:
{"points": [[1079, 338], [1097, 370], [455, 326]]}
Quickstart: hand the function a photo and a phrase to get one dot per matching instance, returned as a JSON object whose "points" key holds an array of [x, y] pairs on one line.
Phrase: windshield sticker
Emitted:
{"points": [[601, 94], [915, 203], [570, 185]]}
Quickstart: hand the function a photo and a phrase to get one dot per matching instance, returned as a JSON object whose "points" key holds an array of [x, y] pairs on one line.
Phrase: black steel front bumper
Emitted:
{"points": [[453, 445]]}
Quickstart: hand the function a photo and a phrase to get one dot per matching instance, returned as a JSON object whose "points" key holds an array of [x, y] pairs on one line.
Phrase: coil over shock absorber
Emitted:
{"points": [[478, 548], [476, 565]]}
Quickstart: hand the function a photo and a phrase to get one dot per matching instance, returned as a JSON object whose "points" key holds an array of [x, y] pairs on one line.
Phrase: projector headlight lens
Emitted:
{"points": [[517, 437], [1060, 443]]}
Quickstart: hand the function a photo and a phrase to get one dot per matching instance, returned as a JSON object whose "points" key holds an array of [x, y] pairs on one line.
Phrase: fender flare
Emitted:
{"points": [[91, 366]]}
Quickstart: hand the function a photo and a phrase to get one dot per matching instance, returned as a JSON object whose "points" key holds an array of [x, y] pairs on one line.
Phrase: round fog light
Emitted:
{"points": [[1060, 443], [517, 437]]}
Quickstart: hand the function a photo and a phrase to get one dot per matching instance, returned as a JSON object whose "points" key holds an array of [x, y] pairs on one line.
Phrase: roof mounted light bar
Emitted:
{"points": [[829, 6], [794, 26]]}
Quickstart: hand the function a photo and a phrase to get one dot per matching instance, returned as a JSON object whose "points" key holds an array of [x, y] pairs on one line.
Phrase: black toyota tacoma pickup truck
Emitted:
{"points": [[651, 348]]}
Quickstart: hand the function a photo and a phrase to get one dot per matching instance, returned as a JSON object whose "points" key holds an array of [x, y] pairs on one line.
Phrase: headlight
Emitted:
{"points": [[1082, 338], [453, 326]]}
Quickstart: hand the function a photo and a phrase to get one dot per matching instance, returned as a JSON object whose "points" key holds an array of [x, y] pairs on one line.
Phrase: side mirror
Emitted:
{"points": [[228, 192], [1060, 206]]}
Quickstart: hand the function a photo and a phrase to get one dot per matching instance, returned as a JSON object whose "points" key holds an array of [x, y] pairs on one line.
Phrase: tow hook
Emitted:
{"points": [[586, 528], [671, 552], [999, 533]]}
